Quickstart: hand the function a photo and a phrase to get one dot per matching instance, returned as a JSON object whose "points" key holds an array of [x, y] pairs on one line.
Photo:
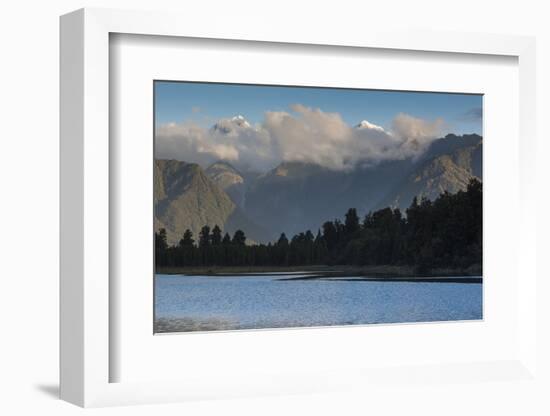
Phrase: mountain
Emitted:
{"points": [[451, 143], [297, 196], [448, 165], [231, 126], [291, 197], [229, 179], [186, 198]]}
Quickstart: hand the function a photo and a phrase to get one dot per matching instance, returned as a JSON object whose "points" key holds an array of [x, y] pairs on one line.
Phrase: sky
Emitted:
{"points": [[194, 123], [205, 103]]}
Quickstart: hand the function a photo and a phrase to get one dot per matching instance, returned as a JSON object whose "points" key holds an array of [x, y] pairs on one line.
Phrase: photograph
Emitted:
{"points": [[279, 206]]}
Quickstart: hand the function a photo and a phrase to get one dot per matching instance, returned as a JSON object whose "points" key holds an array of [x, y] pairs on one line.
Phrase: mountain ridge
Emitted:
{"points": [[294, 196], [445, 169], [186, 198]]}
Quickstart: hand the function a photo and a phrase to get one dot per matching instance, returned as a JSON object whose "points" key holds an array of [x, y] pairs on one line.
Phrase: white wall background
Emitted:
{"points": [[29, 56]]}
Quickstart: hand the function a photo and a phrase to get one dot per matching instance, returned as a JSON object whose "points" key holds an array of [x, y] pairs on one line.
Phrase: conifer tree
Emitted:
{"points": [[351, 224], [226, 239], [216, 237], [204, 237], [239, 238], [187, 240]]}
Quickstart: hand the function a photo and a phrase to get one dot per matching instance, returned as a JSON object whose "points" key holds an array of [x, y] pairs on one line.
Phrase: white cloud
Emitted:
{"points": [[310, 136], [305, 134], [416, 133]]}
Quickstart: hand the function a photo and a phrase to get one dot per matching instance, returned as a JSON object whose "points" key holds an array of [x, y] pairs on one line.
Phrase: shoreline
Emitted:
{"points": [[320, 271], [409, 279]]}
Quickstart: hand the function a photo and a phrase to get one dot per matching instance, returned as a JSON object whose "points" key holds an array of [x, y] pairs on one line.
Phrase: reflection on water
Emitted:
{"points": [[208, 303]]}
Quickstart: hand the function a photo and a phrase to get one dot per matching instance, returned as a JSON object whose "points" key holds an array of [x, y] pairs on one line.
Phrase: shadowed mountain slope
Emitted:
{"points": [[186, 198], [229, 179]]}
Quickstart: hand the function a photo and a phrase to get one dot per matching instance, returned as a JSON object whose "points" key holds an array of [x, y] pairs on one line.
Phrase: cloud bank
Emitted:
{"points": [[304, 134]]}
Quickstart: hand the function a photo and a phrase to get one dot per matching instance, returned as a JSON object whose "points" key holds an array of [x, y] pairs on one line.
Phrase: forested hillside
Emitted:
{"points": [[443, 233]]}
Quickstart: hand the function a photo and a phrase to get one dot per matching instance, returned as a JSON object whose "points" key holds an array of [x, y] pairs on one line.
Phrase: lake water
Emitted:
{"points": [[205, 303]]}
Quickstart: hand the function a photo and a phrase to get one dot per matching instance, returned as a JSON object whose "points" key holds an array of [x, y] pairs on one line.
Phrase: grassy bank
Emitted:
{"points": [[381, 271]]}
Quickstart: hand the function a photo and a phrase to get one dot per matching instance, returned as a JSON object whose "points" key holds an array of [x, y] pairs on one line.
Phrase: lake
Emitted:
{"points": [[207, 303]]}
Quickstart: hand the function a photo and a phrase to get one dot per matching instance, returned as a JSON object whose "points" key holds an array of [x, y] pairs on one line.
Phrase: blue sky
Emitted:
{"points": [[205, 103]]}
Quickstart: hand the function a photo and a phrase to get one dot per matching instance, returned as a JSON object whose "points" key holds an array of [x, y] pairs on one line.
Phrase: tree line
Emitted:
{"points": [[445, 233]]}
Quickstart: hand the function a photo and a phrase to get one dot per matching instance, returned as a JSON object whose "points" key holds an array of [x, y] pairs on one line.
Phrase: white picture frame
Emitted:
{"points": [[86, 301]]}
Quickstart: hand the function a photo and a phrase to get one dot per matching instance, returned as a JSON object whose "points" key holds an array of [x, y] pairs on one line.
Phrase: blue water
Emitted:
{"points": [[203, 303]]}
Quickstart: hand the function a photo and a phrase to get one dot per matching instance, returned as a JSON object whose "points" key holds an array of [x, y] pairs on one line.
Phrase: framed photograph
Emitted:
{"points": [[271, 214], [244, 206]]}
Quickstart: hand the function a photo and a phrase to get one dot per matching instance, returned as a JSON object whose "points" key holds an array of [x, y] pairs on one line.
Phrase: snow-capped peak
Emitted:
{"points": [[240, 121], [230, 126], [365, 124]]}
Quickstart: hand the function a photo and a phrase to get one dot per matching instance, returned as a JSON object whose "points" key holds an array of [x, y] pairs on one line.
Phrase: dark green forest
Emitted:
{"points": [[444, 233]]}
